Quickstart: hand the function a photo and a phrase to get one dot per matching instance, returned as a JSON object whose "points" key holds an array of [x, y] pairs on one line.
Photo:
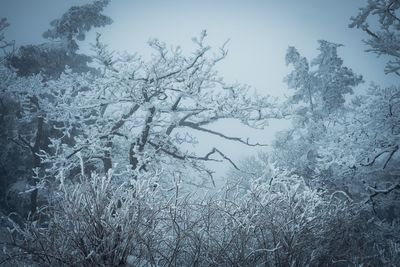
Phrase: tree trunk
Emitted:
{"points": [[107, 161], [141, 142], [36, 162]]}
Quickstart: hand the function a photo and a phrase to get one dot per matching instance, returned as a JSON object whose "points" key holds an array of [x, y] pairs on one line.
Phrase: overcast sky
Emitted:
{"points": [[259, 31]]}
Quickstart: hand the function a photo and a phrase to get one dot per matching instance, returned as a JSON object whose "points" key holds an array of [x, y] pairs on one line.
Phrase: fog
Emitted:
{"points": [[259, 33]]}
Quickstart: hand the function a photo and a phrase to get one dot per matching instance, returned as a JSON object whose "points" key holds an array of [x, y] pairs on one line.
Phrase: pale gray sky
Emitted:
{"points": [[260, 32]]}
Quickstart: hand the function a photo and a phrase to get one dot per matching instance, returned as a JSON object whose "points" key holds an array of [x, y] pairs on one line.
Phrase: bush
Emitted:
{"points": [[100, 222]]}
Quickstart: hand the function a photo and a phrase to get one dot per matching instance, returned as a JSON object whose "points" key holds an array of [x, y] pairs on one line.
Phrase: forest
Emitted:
{"points": [[95, 168]]}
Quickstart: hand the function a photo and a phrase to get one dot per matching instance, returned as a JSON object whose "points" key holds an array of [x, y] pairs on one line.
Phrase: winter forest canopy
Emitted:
{"points": [[112, 158]]}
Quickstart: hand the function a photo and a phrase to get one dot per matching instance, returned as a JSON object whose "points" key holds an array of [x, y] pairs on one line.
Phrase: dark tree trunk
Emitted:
{"points": [[140, 142], [107, 160], [36, 162]]}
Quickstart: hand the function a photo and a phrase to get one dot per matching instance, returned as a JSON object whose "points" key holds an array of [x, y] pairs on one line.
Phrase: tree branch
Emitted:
{"points": [[195, 126], [390, 150], [182, 157], [23, 145], [371, 33], [121, 122], [206, 157], [25, 142], [382, 191], [395, 148]]}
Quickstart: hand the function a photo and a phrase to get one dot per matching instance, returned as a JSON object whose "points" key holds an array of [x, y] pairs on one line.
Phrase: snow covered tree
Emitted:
{"points": [[317, 103], [50, 59], [22, 128], [25, 109], [6, 47], [385, 38], [375, 134], [78, 20], [7, 122], [322, 84], [300, 79], [26, 99], [333, 81], [139, 114], [363, 146]]}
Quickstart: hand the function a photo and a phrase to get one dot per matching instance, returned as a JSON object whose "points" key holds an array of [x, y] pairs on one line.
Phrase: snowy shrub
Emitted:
{"points": [[99, 222]]}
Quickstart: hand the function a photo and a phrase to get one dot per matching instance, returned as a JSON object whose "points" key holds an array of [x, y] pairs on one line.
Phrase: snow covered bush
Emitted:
{"points": [[97, 222]]}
